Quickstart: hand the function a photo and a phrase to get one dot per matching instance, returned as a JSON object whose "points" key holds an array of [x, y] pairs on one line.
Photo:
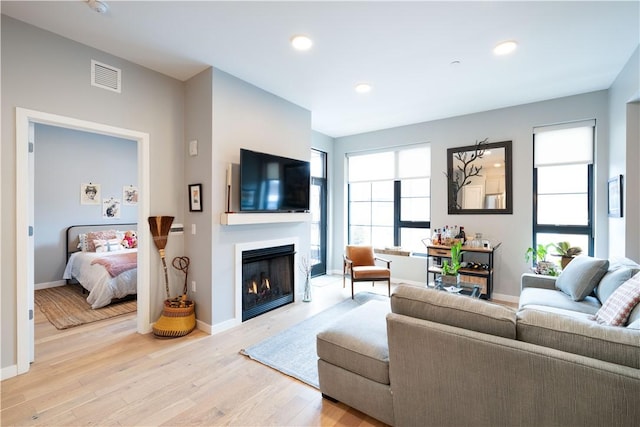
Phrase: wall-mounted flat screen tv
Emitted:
{"points": [[270, 183]]}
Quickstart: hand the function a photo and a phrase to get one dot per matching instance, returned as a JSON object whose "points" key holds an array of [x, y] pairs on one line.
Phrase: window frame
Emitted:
{"points": [[398, 223], [571, 229]]}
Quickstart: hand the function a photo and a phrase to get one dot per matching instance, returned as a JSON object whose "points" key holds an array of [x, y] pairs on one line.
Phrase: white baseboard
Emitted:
{"points": [[45, 285], [8, 372]]}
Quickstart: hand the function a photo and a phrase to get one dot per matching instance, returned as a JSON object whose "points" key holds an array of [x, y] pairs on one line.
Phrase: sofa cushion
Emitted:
{"points": [[455, 310], [581, 275], [557, 299], [617, 308], [580, 336], [611, 281], [357, 342]]}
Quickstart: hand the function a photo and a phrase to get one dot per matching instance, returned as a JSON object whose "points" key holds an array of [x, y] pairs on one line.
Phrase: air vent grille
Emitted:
{"points": [[105, 76]]}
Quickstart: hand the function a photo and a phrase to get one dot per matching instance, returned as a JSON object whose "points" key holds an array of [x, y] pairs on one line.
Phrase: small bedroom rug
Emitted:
{"points": [[293, 351], [66, 307]]}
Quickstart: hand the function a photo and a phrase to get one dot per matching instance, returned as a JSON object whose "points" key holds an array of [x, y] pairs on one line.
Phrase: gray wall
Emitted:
{"points": [[514, 124], [45, 72], [65, 159], [245, 116], [624, 157]]}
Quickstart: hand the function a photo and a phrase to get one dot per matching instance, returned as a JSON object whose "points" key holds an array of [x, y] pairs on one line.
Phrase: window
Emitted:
{"points": [[563, 185], [389, 198]]}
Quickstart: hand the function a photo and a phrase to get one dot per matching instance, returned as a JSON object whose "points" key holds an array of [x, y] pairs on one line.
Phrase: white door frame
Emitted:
{"points": [[24, 206]]}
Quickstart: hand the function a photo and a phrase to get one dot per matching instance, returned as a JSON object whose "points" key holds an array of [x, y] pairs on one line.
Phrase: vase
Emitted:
{"points": [[307, 290]]}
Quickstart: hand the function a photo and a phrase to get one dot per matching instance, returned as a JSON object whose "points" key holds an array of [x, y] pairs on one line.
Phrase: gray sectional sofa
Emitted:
{"points": [[434, 358]]}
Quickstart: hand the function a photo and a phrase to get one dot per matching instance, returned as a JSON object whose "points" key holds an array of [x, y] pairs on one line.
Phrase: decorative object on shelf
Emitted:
{"points": [[615, 197], [195, 198], [566, 252], [305, 268], [479, 178], [450, 271], [538, 256]]}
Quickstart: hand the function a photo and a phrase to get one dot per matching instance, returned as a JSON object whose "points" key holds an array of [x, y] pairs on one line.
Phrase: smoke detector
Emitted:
{"points": [[98, 6]]}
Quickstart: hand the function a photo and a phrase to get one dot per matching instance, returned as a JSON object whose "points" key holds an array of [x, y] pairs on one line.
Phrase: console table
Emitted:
{"points": [[480, 273]]}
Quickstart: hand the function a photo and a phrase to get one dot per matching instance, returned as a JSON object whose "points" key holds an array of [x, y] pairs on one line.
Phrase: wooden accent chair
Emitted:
{"points": [[360, 263]]}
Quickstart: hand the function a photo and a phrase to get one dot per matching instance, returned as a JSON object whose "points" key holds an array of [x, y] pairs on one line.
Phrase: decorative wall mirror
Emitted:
{"points": [[479, 178]]}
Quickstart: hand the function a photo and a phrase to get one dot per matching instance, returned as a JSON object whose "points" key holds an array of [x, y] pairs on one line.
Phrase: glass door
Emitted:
{"points": [[318, 207]]}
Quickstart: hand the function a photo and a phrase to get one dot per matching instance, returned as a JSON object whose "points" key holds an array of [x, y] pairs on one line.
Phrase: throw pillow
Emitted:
{"points": [[616, 309], [581, 275], [611, 281], [99, 235]]}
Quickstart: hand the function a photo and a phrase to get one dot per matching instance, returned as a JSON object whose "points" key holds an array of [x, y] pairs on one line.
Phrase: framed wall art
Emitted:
{"points": [[615, 197], [195, 198]]}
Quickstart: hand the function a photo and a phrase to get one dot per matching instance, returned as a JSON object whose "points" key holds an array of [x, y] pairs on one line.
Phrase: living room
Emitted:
{"points": [[226, 113]]}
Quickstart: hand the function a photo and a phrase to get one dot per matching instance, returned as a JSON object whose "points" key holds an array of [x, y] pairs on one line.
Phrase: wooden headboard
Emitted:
{"points": [[75, 230]]}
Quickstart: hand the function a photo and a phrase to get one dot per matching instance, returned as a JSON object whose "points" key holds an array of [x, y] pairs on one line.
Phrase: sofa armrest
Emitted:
{"points": [[530, 280], [445, 376]]}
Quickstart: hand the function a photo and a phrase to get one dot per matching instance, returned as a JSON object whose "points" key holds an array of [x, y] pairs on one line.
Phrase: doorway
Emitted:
{"points": [[25, 121], [318, 207]]}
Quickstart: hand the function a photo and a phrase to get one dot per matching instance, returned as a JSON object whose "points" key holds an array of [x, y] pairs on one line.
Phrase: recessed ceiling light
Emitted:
{"points": [[454, 63], [505, 48], [363, 87], [301, 42]]}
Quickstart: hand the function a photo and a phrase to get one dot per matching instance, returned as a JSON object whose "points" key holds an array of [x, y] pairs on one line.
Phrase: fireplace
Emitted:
{"points": [[267, 279]]}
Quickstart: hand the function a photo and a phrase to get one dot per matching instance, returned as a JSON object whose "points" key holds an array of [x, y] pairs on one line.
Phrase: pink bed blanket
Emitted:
{"points": [[118, 263]]}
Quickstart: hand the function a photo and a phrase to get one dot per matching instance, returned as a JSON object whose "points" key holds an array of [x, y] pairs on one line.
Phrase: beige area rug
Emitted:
{"points": [[66, 307]]}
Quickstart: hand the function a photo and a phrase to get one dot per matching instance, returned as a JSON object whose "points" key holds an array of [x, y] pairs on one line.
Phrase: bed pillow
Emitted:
{"points": [[617, 308], [99, 235], [111, 245], [83, 242], [581, 275]]}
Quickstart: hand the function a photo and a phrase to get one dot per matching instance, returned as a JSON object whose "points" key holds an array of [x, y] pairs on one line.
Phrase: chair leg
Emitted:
{"points": [[352, 287], [389, 285]]}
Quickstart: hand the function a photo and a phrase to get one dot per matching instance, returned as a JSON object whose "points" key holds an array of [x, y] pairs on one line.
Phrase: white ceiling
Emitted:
{"points": [[404, 49]]}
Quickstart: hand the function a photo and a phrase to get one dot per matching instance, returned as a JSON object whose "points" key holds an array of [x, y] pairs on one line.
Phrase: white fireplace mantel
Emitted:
{"points": [[263, 218]]}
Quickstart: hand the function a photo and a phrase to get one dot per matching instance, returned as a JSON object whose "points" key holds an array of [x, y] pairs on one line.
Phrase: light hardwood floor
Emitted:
{"points": [[106, 374]]}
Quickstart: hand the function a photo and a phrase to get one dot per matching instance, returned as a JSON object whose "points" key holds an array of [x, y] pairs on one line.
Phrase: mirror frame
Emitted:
{"points": [[508, 176]]}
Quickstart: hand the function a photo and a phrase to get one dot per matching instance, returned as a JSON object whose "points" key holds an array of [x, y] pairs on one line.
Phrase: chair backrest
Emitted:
{"points": [[360, 255]]}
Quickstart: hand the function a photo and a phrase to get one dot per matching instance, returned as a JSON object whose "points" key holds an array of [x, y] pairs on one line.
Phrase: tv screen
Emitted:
{"points": [[270, 183]]}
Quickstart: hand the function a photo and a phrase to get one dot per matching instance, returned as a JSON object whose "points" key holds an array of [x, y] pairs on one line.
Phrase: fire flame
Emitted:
{"points": [[253, 289], [266, 284]]}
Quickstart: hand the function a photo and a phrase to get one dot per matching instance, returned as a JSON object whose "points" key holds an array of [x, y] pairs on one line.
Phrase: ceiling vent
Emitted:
{"points": [[105, 76]]}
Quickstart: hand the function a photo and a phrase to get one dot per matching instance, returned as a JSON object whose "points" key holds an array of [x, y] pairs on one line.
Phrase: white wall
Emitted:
{"points": [[508, 124], [624, 157], [64, 159], [45, 72]]}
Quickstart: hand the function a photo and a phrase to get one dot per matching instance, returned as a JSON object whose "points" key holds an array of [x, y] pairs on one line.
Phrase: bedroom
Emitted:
{"points": [[71, 166]]}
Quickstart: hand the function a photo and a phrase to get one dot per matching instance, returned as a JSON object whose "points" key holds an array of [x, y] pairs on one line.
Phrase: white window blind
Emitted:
{"points": [[562, 145]]}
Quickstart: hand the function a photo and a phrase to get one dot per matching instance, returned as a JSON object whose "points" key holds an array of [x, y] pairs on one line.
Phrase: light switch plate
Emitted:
{"points": [[193, 147]]}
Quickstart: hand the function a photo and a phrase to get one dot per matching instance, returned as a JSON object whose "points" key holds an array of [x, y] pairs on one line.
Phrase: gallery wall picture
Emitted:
{"points": [[111, 208], [195, 198], [129, 195], [90, 194]]}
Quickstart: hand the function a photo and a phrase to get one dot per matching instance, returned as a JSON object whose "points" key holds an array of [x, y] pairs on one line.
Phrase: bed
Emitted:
{"points": [[108, 271]]}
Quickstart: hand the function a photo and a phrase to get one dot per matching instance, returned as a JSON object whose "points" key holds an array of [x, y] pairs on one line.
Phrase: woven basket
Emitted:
{"points": [[175, 321]]}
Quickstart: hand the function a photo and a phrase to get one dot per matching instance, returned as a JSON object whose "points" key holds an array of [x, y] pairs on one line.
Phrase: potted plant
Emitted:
{"points": [[538, 256], [566, 252], [449, 273]]}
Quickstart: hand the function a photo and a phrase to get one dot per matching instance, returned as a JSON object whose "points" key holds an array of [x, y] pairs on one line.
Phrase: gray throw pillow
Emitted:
{"points": [[581, 275], [611, 281]]}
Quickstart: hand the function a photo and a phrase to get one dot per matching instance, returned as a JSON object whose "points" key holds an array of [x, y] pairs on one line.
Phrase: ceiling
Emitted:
{"points": [[405, 50]]}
